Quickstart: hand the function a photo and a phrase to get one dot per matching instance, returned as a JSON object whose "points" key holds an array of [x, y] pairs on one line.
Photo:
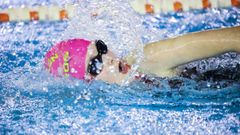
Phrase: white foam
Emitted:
{"points": [[114, 22]]}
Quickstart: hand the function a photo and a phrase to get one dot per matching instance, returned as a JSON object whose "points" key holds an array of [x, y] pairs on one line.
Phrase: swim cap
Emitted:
{"points": [[67, 58]]}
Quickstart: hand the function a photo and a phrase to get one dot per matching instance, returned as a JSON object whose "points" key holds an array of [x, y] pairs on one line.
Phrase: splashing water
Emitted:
{"points": [[114, 22], [33, 102]]}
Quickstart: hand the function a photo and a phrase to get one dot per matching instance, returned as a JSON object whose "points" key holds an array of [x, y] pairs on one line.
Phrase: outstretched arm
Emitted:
{"points": [[161, 58]]}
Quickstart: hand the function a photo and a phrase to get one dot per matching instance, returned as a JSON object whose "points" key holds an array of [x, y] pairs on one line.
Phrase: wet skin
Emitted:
{"points": [[162, 58], [114, 70]]}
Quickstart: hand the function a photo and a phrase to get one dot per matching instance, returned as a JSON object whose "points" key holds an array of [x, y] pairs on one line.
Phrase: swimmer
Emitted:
{"points": [[88, 60]]}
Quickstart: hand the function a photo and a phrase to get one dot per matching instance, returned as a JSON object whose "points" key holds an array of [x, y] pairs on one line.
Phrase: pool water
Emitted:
{"points": [[34, 102]]}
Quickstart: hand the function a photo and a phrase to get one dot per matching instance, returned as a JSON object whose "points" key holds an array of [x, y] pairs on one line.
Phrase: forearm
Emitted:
{"points": [[165, 55], [205, 44]]}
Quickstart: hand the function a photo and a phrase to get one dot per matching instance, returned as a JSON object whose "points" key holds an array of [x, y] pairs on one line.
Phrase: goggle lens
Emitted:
{"points": [[96, 64]]}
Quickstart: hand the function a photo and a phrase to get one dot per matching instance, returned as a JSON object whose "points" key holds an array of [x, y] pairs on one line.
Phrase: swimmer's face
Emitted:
{"points": [[114, 70]]}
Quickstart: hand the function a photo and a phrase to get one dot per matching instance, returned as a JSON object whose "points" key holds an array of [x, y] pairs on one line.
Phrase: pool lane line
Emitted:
{"points": [[55, 13], [51, 13], [163, 6]]}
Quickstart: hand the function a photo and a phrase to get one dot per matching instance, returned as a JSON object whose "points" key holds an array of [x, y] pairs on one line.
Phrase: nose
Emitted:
{"points": [[111, 55], [110, 61]]}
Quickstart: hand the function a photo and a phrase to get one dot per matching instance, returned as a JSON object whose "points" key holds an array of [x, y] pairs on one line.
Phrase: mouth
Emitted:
{"points": [[123, 67]]}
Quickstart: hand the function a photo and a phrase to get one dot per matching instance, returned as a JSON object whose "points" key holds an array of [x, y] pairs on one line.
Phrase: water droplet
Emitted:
{"points": [[208, 84], [45, 89]]}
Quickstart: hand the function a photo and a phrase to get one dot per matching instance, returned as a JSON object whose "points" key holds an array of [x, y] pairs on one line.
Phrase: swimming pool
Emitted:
{"points": [[33, 102]]}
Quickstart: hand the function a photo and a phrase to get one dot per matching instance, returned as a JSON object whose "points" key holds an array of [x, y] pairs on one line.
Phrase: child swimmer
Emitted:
{"points": [[89, 60]]}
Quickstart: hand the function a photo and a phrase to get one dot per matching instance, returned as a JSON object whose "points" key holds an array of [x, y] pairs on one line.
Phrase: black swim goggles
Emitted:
{"points": [[96, 64]]}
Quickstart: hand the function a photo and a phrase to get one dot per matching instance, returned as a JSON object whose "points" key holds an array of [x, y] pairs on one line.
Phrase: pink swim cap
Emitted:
{"points": [[67, 58]]}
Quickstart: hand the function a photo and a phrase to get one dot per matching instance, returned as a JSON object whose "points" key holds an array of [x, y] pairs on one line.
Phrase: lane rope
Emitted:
{"points": [[55, 13], [51, 13], [163, 6]]}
